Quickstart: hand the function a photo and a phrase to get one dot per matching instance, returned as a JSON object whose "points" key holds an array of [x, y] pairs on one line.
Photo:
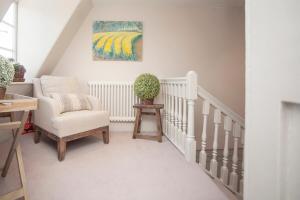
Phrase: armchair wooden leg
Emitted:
{"points": [[37, 136], [61, 149], [106, 135]]}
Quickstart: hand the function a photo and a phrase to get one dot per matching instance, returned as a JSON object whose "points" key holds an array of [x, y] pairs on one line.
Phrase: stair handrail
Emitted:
{"points": [[204, 94]]}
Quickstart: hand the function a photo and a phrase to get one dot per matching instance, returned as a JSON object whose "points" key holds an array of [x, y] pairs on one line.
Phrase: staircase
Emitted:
{"points": [[217, 148], [221, 157]]}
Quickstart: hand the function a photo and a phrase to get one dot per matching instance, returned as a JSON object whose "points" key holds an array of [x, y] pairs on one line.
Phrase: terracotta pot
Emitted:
{"points": [[19, 75], [147, 102], [2, 92]]}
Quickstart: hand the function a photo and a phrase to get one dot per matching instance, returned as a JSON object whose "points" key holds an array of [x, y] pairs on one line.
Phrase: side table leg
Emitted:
{"points": [[139, 122], [158, 123], [14, 144], [22, 172], [136, 124]]}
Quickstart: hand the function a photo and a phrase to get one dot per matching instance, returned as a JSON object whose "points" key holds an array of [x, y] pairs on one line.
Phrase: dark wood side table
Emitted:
{"points": [[138, 119]]}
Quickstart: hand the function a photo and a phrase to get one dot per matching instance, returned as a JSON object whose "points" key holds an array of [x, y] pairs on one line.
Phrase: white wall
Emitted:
{"points": [[272, 76], [205, 37]]}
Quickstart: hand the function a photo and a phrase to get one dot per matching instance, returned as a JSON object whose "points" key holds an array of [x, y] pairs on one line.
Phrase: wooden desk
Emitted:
{"points": [[16, 103], [137, 126]]}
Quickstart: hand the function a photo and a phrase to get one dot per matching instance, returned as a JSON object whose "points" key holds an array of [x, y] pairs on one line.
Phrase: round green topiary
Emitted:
{"points": [[7, 72], [146, 86]]}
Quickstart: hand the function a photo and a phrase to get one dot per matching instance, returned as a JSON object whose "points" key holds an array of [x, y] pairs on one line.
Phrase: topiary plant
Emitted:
{"points": [[7, 72], [146, 87]]}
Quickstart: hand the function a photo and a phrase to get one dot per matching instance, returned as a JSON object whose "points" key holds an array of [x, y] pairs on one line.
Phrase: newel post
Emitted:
{"points": [[191, 95]]}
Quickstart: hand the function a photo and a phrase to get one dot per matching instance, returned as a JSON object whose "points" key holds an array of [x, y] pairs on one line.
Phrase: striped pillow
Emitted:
{"points": [[71, 102]]}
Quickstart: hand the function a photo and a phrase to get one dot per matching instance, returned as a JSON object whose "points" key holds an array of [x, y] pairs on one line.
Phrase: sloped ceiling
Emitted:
{"points": [[65, 37], [4, 5], [45, 30]]}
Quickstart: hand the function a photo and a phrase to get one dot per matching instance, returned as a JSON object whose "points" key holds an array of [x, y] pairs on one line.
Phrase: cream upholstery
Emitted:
{"points": [[48, 116], [56, 84], [79, 121]]}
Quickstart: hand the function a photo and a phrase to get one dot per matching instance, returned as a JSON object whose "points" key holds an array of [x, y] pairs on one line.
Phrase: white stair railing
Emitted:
{"points": [[229, 175], [179, 96]]}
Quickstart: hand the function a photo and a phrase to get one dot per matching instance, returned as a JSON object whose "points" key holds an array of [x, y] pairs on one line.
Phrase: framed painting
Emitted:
{"points": [[117, 40]]}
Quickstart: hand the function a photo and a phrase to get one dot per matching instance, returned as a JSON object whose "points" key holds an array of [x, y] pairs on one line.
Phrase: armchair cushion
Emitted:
{"points": [[71, 102], [70, 123], [56, 84]]}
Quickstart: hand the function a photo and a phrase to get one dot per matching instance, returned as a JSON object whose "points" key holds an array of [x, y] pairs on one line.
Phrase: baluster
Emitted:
{"points": [[224, 169], [172, 112], [166, 109], [242, 168], [175, 114], [184, 114], [214, 162], [162, 92], [181, 137], [233, 175], [205, 113], [169, 110], [191, 95]]}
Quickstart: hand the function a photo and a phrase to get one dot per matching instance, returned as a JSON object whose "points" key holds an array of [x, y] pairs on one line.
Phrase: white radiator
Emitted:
{"points": [[115, 97]]}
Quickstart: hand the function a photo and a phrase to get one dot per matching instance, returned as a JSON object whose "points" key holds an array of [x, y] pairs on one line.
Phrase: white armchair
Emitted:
{"points": [[68, 126]]}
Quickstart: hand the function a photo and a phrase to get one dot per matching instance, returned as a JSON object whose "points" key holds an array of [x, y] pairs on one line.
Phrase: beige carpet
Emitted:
{"points": [[125, 169]]}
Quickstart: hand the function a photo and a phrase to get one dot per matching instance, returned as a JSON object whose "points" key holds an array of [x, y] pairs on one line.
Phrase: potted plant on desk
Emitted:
{"points": [[7, 72], [147, 87]]}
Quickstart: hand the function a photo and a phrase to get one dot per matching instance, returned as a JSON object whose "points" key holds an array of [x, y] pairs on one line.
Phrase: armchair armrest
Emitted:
{"points": [[47, 109], [95, 103]]}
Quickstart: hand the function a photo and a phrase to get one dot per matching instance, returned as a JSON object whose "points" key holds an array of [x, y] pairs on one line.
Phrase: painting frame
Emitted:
{"points": [[117, 40]]}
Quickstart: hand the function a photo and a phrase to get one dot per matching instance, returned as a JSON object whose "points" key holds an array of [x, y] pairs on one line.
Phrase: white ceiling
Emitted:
{"points": [[218, 2]]}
